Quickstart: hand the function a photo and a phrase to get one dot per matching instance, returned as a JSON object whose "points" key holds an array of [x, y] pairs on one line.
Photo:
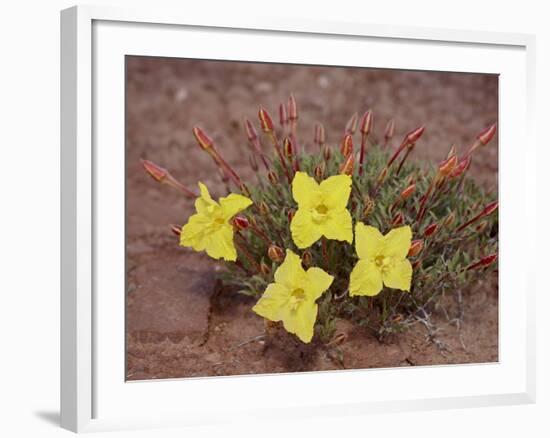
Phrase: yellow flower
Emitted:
{"points": [[321, 209], [210, 228], [382, 260], [291, 298]]}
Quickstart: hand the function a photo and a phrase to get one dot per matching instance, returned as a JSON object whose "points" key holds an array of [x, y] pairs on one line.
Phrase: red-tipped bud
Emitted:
{"points": [[176, 229], [382, 176], [158, 173], [408, 192], [489, 209], [398, 220], [292, 108], [275, 253], [347, 166], [290, 214], [307, 259], [319, 172], [487, 134], [283, 118], [327, 153], [251, 132], [449, 220], [245, 190], [321, 134], [430, 230], [265, 120], [264, 209], [316, 133], [204, 141], [351, 126], [390, 130], [253, 162], [288, 147], [452, 151], [346, 147], [483, 262], [462, 167], [416, 248], [366, 123], [272, 177], [264, 269], [413, 136], [446, 167], [240, 223]]}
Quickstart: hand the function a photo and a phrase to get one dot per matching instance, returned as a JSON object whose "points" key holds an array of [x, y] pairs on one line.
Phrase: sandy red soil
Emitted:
{"points": [[177, 325]]}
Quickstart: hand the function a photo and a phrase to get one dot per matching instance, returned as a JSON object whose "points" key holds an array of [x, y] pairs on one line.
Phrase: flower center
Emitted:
{"points": [[382, 262], [220, 220], [297, 296], [319, 213], [321, 209]]}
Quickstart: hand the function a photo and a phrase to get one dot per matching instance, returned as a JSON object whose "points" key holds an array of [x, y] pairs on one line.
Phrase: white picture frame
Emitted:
{"points": [[94, 395]]}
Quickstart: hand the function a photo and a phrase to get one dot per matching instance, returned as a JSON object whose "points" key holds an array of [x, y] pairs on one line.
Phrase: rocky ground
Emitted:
{"points": [[179, 323]]}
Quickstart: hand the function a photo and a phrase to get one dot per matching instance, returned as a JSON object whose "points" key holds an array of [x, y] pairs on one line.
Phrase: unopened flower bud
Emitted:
{"points": [[307, 259], [346, 147], [245, 190], [487, 134], [327, 153], [408, 192], [462, 167], [369, 207], [390, 130], [290, 214], [430, 230], [292, 108], [347, 166], [264, 269], [452, 151], [483, 262], [204, 141], [288, 147], [251, 132], [446, 167], [283, 118], [176, 229], [321, 134], [481, 227], [398, 220], [413, 136], [319, 172], [351, 125], [265, 120], [253, 162], [366, 123], [449, 220], [272, 177], [240, 222], [264, 209], [489, 209], [156, 172], [275, 253], [416, 248]]}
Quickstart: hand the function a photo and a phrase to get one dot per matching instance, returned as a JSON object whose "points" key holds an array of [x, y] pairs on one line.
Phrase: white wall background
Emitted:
{"points": [[29, 215]]}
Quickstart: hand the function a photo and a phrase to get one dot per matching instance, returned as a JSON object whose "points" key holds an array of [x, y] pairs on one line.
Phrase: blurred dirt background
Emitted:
{"points": [[176, 325]]}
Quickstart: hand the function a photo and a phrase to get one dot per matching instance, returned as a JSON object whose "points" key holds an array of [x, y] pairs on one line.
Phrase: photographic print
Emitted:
{"points": [[294, 218]]}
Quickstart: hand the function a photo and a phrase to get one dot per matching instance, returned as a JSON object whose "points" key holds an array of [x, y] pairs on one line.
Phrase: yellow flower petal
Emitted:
{"points": [[304, 231], [219, 244], [272, 303], [369, 242], [365, 279], [291, 271], [338, 226], [398, 242], [335, 191], [301, 322], [318, 281], [233, 204], [399, 275], [192, 234], [204, 203], [305, 190]]}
